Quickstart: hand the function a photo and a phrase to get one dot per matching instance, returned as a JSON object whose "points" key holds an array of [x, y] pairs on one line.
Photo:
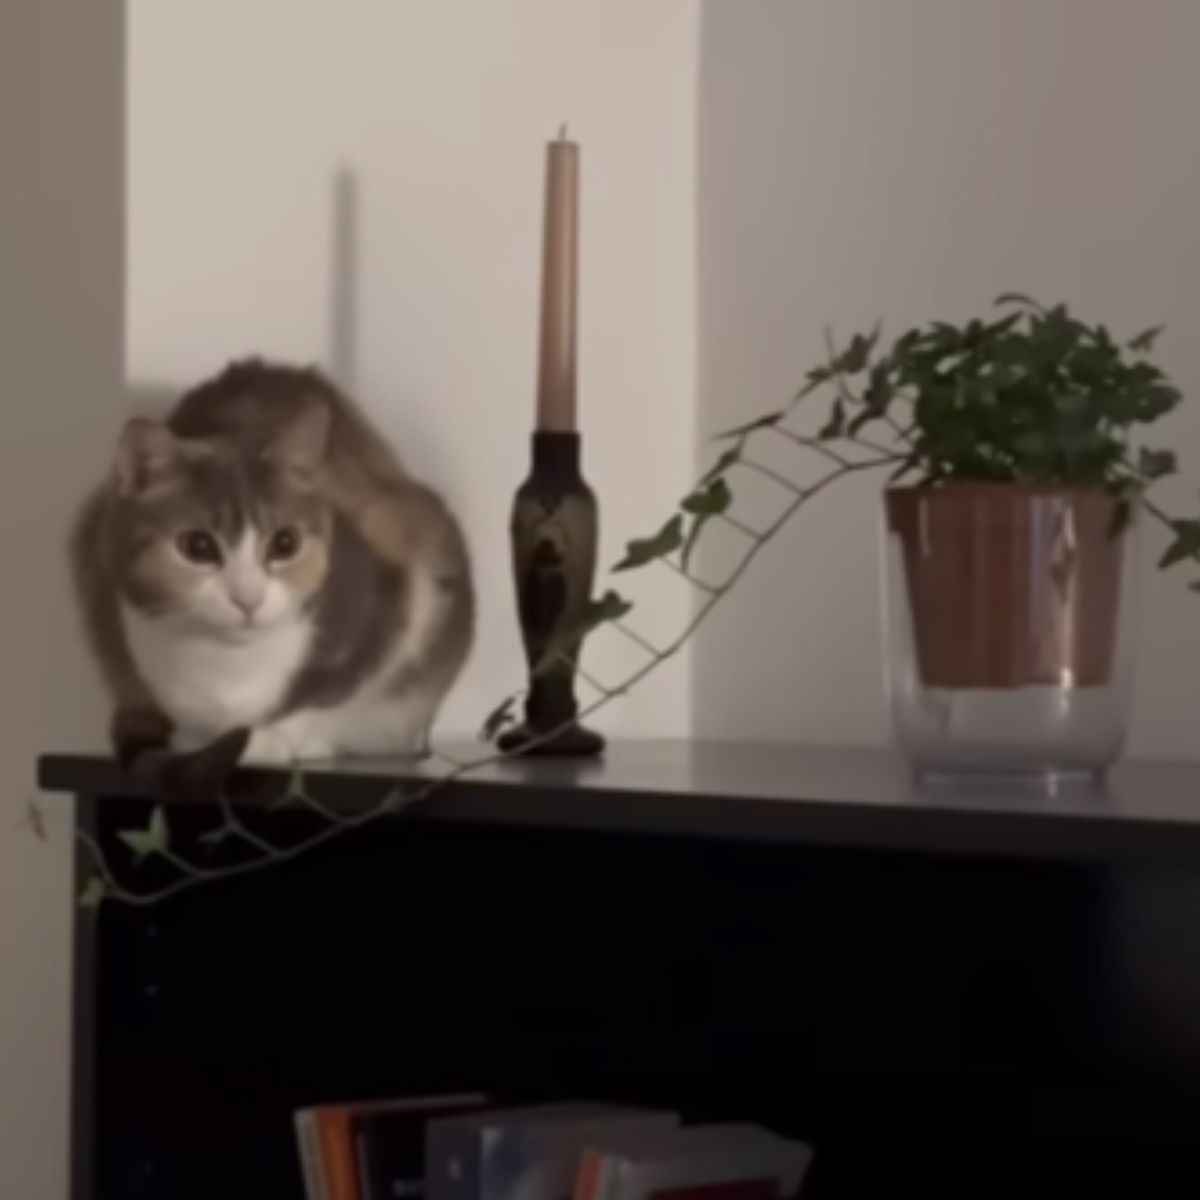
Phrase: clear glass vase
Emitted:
{"points": [[1010, 621]]}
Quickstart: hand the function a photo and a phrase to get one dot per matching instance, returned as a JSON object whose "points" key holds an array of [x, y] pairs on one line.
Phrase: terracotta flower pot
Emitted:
{"points": [[1010, 585], [1009, 630]]}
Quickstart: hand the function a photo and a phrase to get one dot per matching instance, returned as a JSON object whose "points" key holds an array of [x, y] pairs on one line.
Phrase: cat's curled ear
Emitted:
{"points": [[300, 446], [147, 452]]}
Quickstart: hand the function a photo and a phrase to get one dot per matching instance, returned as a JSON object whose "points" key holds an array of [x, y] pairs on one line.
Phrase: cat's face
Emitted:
{"points": [[223, 538]]}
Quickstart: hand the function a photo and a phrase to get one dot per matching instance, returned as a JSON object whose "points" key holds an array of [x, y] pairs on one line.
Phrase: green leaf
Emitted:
{"points": [[94, 893], [1031, 394], [1154, 464], [1072, 404], [763, 422], [876, 401], [641, 551], [566, 642], [880, 392], [708, 501], [1122, 514], [814, 379], [1144, 342], [909, 464], [1185, 545], [154, 839], [1031, 445], [289, 797], [1018, 298], [1002, 326], [612, 606], [295, 795], [836, 425], [500, 717], [728, 458], [861, 420], [703, 504], [1156, 401], [856, 356]]}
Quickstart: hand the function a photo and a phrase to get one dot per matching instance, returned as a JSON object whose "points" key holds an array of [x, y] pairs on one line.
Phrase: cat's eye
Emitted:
{"points": [[284, 544], [199, 547]]}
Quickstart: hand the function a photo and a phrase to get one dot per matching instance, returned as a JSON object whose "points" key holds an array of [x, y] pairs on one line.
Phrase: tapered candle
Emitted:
{"points": [[560, 289]]}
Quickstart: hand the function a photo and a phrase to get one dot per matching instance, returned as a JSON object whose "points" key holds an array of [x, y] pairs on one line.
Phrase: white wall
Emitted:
{"points": [[61, 310], [868, 158], [435, 112]]}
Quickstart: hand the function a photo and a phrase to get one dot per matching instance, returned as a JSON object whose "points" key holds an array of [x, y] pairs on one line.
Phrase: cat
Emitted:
{"points": [[259, 572]]}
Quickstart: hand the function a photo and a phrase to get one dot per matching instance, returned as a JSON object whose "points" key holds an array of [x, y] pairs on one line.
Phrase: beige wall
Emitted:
{"points": [[869, 158], [858, 158], [435, 112], [417, 283], [61, 270]]}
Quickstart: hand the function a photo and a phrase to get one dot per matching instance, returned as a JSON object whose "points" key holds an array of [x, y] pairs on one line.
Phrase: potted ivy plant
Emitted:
{"points": [[1011, 512], [1011, 518]]}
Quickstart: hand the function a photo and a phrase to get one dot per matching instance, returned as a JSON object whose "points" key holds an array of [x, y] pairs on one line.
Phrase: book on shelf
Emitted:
{"points": [[524, 1153], [372, 1150], [458, 1148], [716, 1162]]}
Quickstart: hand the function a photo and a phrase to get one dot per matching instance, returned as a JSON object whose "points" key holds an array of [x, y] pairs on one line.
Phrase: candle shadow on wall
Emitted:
{"points": [[344, 276], [155, 398]]}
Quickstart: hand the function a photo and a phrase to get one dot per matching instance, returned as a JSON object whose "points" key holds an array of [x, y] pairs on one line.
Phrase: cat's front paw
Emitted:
{"points": [[203, 774], [187, 740], [269, 748], [414, 752], [283, 745]]}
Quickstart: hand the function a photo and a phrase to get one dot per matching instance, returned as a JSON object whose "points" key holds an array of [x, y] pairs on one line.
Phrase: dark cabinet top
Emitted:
{"points": [[736, 791]]}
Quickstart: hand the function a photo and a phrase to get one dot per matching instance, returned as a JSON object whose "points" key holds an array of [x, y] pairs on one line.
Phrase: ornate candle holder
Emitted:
{"points": [[554, 527]]}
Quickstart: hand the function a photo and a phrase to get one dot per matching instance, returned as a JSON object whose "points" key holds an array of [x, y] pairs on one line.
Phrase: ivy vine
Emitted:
{"points": [[1031, 395]]}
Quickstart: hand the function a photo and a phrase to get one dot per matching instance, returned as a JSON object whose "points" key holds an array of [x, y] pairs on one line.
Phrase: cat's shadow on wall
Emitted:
{"points": [[154, 398], [399, 422]]}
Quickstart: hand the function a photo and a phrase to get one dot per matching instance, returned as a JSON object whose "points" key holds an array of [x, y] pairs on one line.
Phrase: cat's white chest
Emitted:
{"points": [[208, 686]]}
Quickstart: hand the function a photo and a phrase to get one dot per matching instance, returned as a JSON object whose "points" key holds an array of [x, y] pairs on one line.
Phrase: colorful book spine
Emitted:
{"points": [[337, 1152], [308, 1140]]}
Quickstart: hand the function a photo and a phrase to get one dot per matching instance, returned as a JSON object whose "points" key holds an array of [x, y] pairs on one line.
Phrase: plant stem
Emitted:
{"points": [[849, 397], [1157, 513], [686, 574], [635, 637], [233, 825], [770, 473], [817, 445], [586, 676], [395, 798], [740, 526]]}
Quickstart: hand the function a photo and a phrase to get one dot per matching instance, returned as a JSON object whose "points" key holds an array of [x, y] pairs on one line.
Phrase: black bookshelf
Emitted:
{"points": [[951, 993]]}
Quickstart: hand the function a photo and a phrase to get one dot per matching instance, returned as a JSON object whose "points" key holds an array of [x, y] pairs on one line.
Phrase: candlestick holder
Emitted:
{"points": [[554, 528]]}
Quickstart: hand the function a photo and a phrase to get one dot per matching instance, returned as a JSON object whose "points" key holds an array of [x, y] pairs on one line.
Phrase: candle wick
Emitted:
{"points": [[562, 132]]}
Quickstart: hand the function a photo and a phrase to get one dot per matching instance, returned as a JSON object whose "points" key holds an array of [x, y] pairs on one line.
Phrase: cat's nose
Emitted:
{"points": [[248, 605]]}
